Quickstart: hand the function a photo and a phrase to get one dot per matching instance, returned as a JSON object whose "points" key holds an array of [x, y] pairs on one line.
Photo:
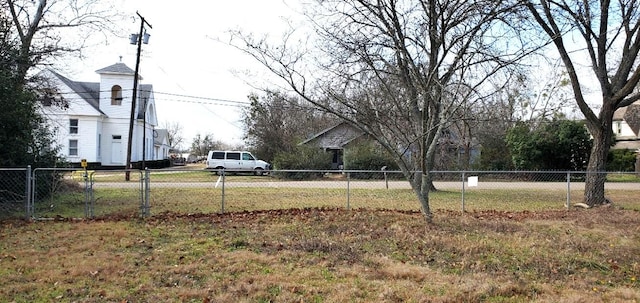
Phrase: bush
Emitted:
{"points": [[621, 160], [368, 156], [302, 158]]}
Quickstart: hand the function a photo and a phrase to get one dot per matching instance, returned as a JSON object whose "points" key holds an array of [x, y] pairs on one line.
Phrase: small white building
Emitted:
{"points": [[95, 125], [626, 127]]}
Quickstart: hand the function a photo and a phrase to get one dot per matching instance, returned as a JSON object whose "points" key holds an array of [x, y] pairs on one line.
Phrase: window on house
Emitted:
{"points": [[116, 95], [73, 126], [73, 147], [618, 127], [99, 144]]}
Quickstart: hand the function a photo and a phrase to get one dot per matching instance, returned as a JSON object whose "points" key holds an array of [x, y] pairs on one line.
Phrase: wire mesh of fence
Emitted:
{"points": [[14, 192], [72, 193]]}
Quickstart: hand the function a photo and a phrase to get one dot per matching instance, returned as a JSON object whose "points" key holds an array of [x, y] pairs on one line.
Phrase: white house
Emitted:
{"points": [[626, 127], [95, 125]]}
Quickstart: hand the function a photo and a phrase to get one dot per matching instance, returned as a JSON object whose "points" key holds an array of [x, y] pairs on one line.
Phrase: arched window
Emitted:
{"points": [[116, 95]]}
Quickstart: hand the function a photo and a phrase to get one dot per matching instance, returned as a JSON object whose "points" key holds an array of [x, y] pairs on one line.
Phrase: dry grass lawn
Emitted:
{"points": [[326, 255]]}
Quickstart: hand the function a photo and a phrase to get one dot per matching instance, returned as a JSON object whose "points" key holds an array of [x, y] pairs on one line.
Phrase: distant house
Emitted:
{"points": [[339, 137], [161, 147], [95, 125], [626, 127], [334, 140]]}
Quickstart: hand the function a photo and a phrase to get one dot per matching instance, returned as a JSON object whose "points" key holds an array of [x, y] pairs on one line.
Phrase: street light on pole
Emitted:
{"points": [[141, 37]]}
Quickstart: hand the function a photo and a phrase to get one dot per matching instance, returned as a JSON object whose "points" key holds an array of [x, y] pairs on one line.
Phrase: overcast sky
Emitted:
{"points": [[192, 72], [185, 59]]}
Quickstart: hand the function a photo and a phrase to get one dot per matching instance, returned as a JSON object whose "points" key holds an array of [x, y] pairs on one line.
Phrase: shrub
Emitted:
{"points": [[368, 156], [621, 160], [302, 158]]}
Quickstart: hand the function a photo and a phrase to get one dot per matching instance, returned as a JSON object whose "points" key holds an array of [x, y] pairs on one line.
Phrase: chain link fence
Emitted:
{"points": [[14, 192], [70, 193]]}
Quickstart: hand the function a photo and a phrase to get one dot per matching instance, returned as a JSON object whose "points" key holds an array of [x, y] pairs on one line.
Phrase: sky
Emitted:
{"points": [[199, 80]]}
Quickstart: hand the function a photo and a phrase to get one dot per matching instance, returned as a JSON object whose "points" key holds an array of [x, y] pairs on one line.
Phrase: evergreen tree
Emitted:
{"points": [[556, 145], [26, 139]]}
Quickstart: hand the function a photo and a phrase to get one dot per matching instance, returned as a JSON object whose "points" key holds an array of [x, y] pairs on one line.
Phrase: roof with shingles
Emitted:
{"points": [[159, 135], [631, 115], [88, 91], [144, 92], [335, 137], [118, 69]]}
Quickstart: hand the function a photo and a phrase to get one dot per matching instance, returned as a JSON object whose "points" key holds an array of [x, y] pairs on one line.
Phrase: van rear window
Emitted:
{"points": [[233, 156], [218, 155]]}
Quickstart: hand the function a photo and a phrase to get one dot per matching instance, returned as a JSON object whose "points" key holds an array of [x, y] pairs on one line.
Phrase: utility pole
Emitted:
{"points": [[138, 40]]}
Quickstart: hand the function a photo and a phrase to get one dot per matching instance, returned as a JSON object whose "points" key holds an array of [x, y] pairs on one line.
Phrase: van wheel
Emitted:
{"points": [[219, 170], [258, 172]]}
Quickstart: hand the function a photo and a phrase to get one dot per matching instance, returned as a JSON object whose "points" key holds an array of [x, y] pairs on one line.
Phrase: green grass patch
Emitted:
{"points": [[623, 177]]}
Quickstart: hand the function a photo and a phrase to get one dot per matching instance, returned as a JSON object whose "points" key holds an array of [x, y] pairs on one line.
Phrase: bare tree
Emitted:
{"points": [[200, 146], [48, 29], [174, 132], [399, 70], [276, 123], [609, 32]]}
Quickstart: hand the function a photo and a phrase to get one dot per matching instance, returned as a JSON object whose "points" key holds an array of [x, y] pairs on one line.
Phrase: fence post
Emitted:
{"points": [[463, 176], [141, 191], [91, 195], [222, 200], [27, 194], [147, 192], [348, 190], [33, 189], [88, 212], [568, 204], [386, 180]]}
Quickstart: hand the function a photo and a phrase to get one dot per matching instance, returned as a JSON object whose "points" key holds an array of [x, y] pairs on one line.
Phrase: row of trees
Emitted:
{"points": [[275, 129], [404, 71]]}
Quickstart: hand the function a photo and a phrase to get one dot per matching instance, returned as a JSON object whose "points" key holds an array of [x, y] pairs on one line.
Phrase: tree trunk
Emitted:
{"points": [[420, 184], [424, 201], [596, 176]]}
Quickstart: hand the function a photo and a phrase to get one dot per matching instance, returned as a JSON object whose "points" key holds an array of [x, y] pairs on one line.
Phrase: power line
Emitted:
{"points": [[233, 102], [203, 98]]}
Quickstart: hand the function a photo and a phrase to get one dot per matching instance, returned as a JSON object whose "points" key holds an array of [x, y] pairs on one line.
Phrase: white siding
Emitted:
{"points": [[87, 130], [97, 128], [623, 130], [107, 81]]}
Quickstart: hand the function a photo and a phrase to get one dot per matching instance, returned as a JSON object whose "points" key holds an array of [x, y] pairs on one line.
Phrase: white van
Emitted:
{"points": [[236, 161]]}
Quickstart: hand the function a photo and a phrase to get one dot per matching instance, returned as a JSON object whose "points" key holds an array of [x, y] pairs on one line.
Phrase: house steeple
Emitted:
{"points": [[116, 87]]}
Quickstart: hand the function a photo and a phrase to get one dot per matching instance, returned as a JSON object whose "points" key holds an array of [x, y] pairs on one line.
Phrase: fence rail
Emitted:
{"points": [[71, 193]]}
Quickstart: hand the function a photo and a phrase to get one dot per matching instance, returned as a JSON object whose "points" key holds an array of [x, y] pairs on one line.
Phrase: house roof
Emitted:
{"points": [[334, 137], [116, 69], [159, 135], [144, 92], [630, 114], [89, 91]]}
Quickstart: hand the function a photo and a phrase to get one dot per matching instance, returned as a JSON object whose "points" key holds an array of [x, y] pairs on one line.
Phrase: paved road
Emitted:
{"points": [[369, 184]]}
